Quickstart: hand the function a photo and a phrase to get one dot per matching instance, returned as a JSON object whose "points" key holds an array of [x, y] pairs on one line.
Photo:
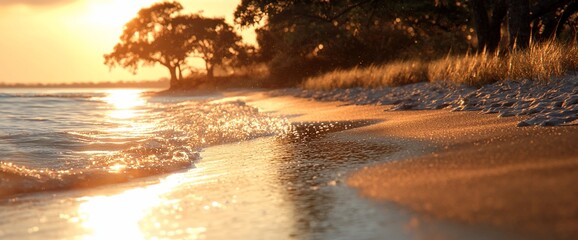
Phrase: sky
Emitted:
{"points": [[63, 41]]}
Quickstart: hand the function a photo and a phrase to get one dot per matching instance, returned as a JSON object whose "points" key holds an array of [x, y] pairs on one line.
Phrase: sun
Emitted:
{"points": [[113, 13]]}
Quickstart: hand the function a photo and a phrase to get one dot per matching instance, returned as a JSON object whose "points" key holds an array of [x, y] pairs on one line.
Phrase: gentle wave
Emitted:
{"points": [[166, 137]]}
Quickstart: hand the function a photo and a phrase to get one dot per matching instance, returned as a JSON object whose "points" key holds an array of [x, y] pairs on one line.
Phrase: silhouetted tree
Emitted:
{"points": [[156, 35], [160, 34], [302, 38]]}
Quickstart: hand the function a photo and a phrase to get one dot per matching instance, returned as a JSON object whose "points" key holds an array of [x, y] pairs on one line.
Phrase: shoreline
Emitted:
{"points": [[544, 104], [453, 165]]}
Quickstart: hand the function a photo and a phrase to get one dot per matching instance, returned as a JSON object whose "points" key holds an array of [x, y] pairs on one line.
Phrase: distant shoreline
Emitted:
{"points": [[120, 84]]}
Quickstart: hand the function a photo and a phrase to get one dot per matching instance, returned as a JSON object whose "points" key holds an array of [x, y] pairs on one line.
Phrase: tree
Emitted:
{"points": [[216, 42], [156, 35], [160, 34], [380, 30], [303, 38]]}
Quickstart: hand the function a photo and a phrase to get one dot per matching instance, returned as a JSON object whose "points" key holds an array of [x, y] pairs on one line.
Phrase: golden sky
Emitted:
{"points": [[64, 40]]}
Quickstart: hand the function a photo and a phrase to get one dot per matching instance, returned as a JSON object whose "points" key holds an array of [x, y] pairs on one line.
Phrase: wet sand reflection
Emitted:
{"points": [[312, 164]]}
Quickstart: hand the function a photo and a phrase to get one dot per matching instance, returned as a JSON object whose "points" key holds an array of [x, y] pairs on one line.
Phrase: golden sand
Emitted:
{"points": [[463, 166]]}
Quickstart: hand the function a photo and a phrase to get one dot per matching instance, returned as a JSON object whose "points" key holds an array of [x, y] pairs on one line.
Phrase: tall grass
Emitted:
{"points": [[393, 74], [541, 61]]}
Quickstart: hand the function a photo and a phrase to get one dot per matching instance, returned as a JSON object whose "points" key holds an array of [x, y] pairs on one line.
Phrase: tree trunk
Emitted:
{"points": [[488, 29], [498, 14], [211, 72], [519, 23], [210, 69], [180, 72], [481, 23], [174, 80]]}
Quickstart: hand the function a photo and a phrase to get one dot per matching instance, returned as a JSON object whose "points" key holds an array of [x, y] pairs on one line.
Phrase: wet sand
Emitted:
{"points": [[464, 166]]}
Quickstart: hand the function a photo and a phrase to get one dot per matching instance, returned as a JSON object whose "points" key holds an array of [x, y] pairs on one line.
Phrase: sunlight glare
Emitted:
{"points": [[119, 216], [125, 99], [124, 103], [117, 167], [125, 108]]}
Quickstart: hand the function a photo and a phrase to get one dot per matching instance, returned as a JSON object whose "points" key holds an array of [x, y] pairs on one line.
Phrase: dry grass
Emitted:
{"points": [[393, 74], [476, 69], [539, 62]]}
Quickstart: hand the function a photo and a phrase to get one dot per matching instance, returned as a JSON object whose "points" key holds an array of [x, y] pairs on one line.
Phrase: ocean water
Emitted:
{"points": [[60, 139]]}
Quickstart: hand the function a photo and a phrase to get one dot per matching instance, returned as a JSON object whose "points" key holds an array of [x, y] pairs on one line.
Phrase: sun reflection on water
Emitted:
{"points": [[126, 106], [118, 216], [121, 216], [125, 98], [125, 103]]}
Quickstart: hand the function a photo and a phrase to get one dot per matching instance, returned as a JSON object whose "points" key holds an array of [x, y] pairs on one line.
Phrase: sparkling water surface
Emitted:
{"points": [[62, 139]]}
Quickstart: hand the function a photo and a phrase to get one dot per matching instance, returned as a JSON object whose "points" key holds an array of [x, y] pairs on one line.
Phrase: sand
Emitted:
{"points": [[463, 166]]}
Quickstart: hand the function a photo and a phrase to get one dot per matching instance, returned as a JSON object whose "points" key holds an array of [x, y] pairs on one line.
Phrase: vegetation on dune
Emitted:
{"points": [[393, 74], [540, 61]]}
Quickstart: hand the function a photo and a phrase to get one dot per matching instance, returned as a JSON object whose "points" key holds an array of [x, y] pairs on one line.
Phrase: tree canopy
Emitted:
{"points": [[317, 35], [216, 43], [161, 34]]}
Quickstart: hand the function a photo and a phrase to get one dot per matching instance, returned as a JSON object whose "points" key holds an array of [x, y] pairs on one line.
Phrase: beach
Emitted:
{"points": [[264, 167], [464, 166], [259, 119]]}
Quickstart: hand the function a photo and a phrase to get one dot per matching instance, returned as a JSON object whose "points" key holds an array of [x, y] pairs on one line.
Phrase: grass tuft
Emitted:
{"points": [[540, 62]]}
